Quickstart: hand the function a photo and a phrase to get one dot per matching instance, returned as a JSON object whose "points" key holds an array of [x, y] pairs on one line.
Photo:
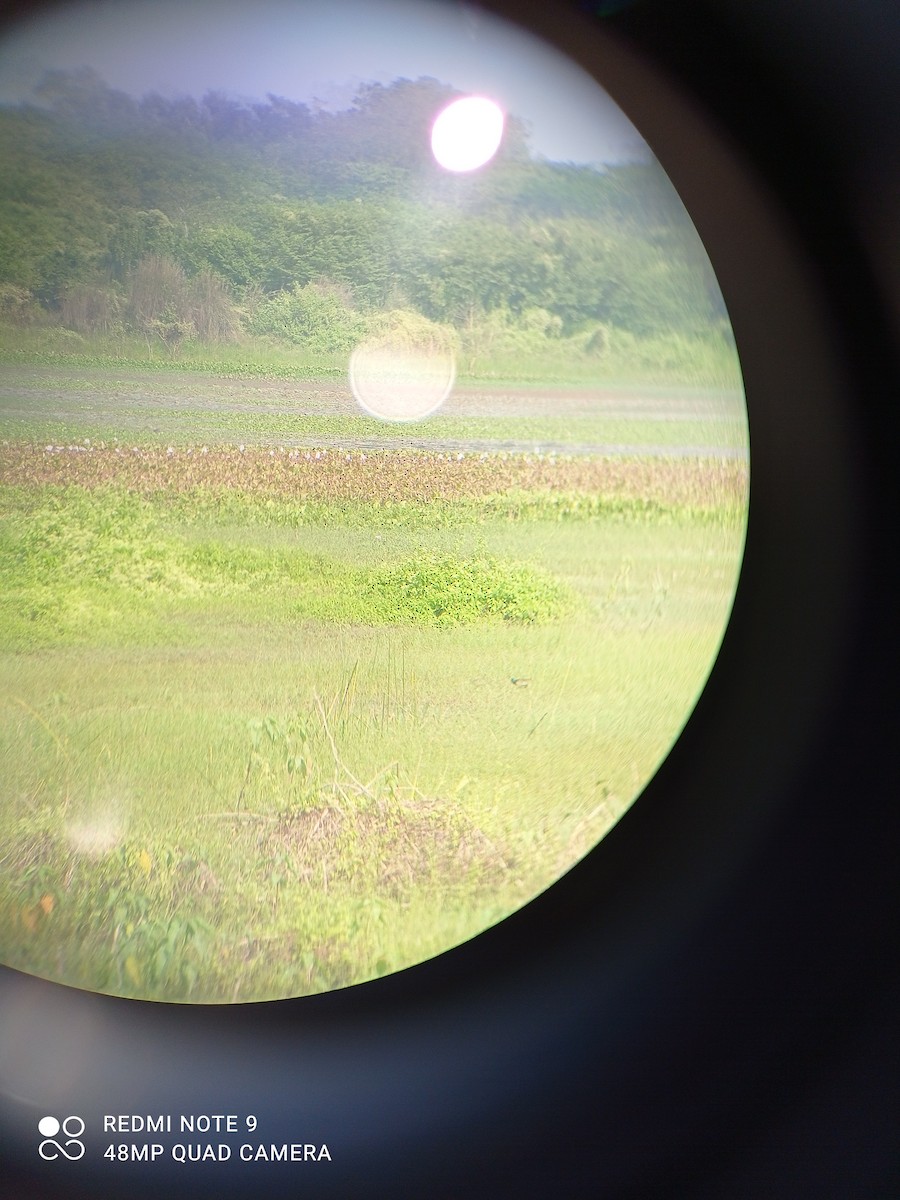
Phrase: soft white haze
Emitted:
{"points": [[320, 51]]}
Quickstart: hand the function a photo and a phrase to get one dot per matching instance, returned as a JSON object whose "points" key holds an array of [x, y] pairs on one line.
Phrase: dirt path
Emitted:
{"points": [[158, 401]]}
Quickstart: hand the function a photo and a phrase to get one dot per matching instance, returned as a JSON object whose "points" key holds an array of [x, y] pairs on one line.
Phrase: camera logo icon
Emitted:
{"points": [[72, 1128]]}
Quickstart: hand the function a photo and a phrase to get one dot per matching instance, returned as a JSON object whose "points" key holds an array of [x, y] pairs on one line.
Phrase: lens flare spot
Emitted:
{"points": [[98, 831], [401, 383], [467, 133]]}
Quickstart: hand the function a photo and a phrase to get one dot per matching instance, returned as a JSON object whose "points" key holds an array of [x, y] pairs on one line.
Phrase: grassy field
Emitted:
{"points": [[291, 698], [672, 359]]}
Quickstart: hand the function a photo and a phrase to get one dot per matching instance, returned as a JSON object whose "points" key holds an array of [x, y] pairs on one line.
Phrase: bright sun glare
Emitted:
{"points": [[467, 133]]}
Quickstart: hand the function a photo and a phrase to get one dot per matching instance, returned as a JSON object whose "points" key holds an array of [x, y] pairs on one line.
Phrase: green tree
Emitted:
{"points": [[135, 235], [230, 252], [84, 99]]}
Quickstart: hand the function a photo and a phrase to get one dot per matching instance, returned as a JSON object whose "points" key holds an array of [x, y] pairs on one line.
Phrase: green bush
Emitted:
{"points": [[17, 305], [312, 316], [405, 329], [442, 589], [99, 539]]}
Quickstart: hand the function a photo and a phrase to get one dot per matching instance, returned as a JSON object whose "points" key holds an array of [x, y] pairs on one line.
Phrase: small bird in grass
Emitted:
{"points": [[519, 682]]}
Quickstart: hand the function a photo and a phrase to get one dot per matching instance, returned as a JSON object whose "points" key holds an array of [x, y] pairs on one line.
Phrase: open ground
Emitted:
{"points": [[292, 698]]}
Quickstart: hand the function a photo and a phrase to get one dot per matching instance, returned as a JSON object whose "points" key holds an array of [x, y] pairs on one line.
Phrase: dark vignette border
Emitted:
{"points": [[700, 1008]]}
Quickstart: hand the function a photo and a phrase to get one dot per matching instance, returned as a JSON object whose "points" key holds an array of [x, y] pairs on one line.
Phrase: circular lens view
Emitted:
{"points": [[374, 477]]}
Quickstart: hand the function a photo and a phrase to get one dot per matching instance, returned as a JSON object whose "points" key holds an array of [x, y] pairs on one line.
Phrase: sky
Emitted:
{"points": [[323, 50]]}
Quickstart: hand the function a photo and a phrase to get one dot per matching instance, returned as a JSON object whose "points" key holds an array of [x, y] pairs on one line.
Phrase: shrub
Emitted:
{"points": [[597, 342], [313, 316], [76, 538], [17, 305], [443, 589], [404, 329], [212, 314], [91, 308]]}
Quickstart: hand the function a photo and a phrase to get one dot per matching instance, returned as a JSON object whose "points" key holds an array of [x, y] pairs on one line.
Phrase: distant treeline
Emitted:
{"points": [[213, 219]]}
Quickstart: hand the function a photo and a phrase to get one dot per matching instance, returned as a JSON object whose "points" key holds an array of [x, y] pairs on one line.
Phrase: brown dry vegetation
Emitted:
{"points": [[376, 476]]}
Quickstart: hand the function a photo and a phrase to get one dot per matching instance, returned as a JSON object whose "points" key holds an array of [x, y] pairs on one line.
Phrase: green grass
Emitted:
{"points": [[304, 429], [52, 346], [86, 566], [257, 746], [666, 359]]}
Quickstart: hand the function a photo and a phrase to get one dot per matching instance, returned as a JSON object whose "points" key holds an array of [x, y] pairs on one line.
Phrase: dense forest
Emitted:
{"points": [[216, 220]]}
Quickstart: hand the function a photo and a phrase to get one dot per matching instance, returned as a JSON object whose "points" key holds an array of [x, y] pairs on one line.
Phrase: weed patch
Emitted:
{"points": [[296, 886], [442, 589], [80, 564]]}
